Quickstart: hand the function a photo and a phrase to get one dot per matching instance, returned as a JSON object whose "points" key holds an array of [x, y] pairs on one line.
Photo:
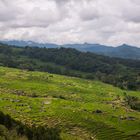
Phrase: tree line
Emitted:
{"points": [[123, 73]]}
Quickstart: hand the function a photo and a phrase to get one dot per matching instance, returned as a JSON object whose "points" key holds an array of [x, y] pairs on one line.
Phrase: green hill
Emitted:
{"points": [[67, 61], [79, 109]]}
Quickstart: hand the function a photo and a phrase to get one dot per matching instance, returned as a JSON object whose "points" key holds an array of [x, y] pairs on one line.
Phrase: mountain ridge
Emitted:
{"points": [[123, 51]]}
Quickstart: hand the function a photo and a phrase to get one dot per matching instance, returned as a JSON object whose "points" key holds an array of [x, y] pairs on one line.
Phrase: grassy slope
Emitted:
{"points": [[68, 103]]}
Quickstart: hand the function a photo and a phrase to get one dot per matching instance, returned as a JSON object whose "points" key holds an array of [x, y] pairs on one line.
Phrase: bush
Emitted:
{"points": [[32, 133]]}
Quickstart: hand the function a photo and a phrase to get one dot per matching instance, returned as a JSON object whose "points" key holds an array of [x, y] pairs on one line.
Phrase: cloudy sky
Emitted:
{"points": [[111, 22]]}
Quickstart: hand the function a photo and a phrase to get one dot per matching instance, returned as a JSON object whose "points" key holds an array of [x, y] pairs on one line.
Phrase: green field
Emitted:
{"points": [[71, 104]]}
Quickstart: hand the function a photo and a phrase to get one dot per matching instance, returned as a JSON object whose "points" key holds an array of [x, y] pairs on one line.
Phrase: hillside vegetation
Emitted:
{"points": [[66, 108], [119, 72], [124, 51]]}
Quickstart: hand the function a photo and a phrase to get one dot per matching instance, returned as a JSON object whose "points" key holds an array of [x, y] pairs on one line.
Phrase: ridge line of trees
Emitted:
{"points": [[123, 73]]}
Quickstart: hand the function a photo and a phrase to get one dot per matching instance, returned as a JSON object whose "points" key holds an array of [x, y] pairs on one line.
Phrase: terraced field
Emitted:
{"points": [[81, 109]]}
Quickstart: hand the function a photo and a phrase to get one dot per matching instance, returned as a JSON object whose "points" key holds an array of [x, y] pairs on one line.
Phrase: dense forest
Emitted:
{"points": [[119, 72]]}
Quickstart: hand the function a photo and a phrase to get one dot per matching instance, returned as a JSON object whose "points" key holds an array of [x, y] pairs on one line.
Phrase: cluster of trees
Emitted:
{"points": [[7, 125], [67, 61], [133, 102]]}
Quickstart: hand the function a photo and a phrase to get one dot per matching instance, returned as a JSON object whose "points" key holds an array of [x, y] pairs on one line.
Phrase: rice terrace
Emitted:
{"points": [[79, 109]]}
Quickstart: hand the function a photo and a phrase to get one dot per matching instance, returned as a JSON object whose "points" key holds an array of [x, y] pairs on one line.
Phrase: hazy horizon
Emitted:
{"points": [[73, 43]]}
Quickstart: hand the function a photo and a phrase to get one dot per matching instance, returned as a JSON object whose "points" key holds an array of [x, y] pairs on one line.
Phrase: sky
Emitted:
{"points": [[109, 22]]}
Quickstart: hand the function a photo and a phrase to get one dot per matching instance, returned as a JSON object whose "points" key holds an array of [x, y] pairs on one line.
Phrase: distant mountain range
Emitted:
{"points": [[22, 43], [123, 51]]}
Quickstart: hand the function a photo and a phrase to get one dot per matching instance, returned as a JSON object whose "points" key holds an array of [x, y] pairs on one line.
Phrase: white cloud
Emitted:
{"points": [[111, 22]]}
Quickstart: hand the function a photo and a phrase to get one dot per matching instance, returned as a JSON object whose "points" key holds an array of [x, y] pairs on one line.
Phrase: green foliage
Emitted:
{"points": [[32, 133], [119, 72], [133, 102], [51, 106]]}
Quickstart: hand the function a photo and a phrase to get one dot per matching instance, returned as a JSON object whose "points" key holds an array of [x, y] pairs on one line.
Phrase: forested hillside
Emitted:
{"points": [[119, 72], [124, 51]]}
